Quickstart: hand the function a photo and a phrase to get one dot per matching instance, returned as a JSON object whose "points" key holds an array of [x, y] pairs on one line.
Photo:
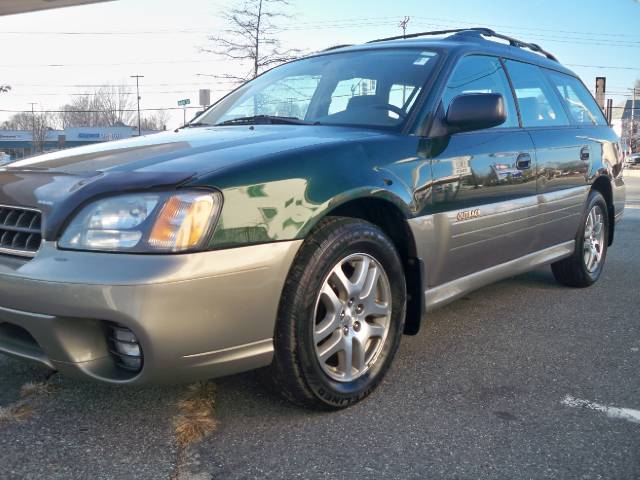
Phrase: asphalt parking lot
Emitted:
{"points": [[522, 379]]}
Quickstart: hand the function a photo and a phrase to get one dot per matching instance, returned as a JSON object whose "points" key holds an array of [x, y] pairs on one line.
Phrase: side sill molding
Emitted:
{"points": [[443, 294]]}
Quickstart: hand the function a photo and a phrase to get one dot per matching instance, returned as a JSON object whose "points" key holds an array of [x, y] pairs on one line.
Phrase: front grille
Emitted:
{"points": [[20, 231]]}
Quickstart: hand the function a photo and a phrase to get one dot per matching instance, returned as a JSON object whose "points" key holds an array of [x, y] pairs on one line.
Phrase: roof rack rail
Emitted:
{"points": [[478, 31], [335, 47]]}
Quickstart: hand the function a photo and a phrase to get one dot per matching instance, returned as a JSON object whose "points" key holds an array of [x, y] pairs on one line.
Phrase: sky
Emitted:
{"points": [[51, 55]]}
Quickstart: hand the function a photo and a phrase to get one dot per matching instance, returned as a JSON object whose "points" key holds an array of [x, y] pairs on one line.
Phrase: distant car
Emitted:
{"points": [[633, 159], [310, 218], [505, 172]]}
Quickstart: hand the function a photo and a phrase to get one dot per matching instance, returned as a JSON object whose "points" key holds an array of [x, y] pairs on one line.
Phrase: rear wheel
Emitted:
{"points": [[585, 266], [341, 315]]}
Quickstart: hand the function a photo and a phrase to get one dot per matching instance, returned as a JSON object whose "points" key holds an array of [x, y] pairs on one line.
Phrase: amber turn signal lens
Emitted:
{"points": [[184, 221]]}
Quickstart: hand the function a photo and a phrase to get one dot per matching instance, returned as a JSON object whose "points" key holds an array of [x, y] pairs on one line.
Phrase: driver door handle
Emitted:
{"points": [[585, 153], [523, 162]]}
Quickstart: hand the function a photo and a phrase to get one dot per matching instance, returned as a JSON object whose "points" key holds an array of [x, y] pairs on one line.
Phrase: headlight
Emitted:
{"points": [[145, 223]]}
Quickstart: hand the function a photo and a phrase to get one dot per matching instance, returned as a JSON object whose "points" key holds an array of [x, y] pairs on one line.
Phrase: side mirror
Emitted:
{"points": [[475, 111]]}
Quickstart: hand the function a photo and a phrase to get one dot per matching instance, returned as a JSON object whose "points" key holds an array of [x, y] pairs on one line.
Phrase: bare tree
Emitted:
{"points": [[251, 36], [116, 104], [80, 112], [41, 125], [155, 122], [18, 121], [38, 123], [105, 107]]}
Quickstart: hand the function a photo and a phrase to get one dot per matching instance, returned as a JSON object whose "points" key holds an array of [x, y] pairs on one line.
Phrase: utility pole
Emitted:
{"points": [[633, 119], [609, 111], [403, 26], [33, 124], [138, 77]]}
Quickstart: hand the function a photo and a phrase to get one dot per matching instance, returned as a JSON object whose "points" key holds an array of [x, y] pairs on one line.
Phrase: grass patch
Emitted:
{"points": [[15, 413], [195, 420], [30, 395], [31, 389]]}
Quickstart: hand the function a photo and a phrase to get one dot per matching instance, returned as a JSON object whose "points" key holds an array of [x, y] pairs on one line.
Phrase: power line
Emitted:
{"points": [[105, 33], [126, 110], [348, 22], [153, 62], [608, 67], [108, 85], [590, 34], [211, 61], [320, 24], [545, 37], [90, 94]]}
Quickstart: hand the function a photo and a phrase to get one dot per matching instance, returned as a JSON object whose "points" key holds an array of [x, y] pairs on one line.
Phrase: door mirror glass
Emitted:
{"points": [[475, 111]]}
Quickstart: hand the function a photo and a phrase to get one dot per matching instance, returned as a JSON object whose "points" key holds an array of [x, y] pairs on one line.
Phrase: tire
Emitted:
{"points": [[578, 270], [308, 311]]}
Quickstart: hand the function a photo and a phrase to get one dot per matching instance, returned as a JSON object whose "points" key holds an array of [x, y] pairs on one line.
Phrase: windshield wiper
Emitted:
{"points": [[197, 124], [265, 120]]}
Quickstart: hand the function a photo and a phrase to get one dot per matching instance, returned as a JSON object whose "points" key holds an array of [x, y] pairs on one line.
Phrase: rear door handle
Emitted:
{"points": [[585, 153], [523, 162]]}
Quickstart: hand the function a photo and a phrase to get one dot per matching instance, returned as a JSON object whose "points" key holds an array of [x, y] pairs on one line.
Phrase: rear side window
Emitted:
{"points": [[578, 100], [481, 74], [539, 105], [347, 89]]}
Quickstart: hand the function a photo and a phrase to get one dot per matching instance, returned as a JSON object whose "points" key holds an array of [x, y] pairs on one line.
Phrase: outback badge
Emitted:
{"points": [[468, 215]]}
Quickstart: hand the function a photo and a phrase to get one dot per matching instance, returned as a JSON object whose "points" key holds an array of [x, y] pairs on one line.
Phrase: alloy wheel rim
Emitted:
{"points": [[593, 246], [352, 316]]}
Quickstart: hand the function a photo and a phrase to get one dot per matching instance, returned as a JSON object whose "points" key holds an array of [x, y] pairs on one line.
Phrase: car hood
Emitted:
{"points": [[194, 150], [58, 183]]}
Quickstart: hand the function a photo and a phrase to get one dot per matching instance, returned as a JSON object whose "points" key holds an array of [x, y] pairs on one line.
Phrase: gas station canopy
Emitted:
{"points": [[9, 7]]}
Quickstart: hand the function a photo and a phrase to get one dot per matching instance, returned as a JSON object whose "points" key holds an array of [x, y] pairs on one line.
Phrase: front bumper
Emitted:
{"points": [[196, 316]]}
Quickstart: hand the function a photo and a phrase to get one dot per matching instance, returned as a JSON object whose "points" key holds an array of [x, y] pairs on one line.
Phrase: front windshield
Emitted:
{"points": [[375, 88]]}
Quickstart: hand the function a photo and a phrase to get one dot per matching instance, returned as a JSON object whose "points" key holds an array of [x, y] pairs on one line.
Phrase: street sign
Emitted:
{"points": [[184, 103], [205, 97]]}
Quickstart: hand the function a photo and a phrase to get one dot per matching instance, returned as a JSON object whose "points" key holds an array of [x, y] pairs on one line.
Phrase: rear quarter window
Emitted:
{"points": [[581, 105], [539, 104]]}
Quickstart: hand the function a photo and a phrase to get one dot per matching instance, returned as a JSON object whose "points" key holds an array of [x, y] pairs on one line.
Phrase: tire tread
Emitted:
{"points": [[571, 270], [286, 371]]}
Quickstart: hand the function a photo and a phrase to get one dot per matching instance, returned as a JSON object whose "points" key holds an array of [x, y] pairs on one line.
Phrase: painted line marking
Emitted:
{"points": [[612, 412], [632, 207]]}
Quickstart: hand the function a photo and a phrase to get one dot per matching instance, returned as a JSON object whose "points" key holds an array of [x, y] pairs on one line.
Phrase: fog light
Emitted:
{"points": [[129, 349], [125, 348]]}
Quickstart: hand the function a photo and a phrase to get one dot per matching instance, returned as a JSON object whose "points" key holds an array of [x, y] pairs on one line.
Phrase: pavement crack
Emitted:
{"points": [[194, 421]]}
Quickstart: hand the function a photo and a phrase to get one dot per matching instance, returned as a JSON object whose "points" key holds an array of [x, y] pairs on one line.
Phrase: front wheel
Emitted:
{"points": [[341, 315], [585, 266]]}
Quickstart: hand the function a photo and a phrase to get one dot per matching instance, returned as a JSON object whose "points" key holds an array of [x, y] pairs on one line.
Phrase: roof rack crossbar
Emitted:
{"points": [[479, 31], [514, 42]]}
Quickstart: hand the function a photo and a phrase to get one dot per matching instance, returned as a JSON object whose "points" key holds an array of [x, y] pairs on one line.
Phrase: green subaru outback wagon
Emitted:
{"points": [[310, 218]]}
